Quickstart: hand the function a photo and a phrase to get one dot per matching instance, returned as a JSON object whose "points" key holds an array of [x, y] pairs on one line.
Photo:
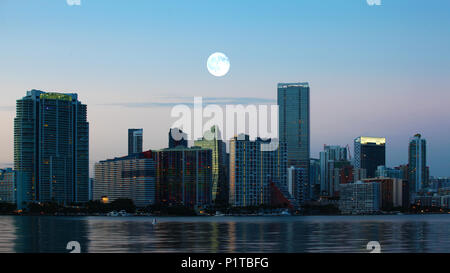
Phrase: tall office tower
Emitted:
{"points": [[294, 128], [131, 177], [177, 138], [212, 140], [8, 186], [135, 141], [370, 152], [314, 178], [51, 148], [332, 159], [184, 176], [254, 171], [417, 164]]}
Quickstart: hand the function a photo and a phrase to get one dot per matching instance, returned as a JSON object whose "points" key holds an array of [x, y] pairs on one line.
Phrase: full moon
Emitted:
{"points": [[218, 64]]}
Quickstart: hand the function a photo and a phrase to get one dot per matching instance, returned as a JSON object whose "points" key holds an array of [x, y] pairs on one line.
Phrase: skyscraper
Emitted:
{"points": [[135, 141], [294, 129], [51, 148], [332, 159], [370, 152], [213, 141], [417, 164]]}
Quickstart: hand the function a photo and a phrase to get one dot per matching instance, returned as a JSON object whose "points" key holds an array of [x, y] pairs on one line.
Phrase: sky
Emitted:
{"points": [[380, 70]]}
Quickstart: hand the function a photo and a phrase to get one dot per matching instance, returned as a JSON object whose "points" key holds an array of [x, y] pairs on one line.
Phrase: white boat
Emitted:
{"points": [[285, 213], [112, 213], [123, 213]]}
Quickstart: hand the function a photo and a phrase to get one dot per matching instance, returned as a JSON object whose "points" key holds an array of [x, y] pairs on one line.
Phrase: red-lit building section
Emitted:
{"points": [[278, 199]]}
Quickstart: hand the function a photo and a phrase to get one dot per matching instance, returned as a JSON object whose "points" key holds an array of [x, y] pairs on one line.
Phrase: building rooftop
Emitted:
{"points": [[374, 140], [296, 84]]}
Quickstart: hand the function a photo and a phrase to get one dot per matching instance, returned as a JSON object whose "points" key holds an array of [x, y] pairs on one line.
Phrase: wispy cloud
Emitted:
{"points": [[189, 101]]}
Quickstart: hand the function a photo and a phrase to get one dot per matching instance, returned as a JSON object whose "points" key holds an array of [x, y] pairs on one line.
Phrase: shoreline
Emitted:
{"points": [[222, 216]]}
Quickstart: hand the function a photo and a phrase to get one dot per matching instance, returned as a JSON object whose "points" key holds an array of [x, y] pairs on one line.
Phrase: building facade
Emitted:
{"points": [[8, 186], [130, 177], [294, 128], [51, 148], [332, 160], [394, 192], [314, 178], [135, 141], [213, 141], [383, 171], [360, 198], [417, 164], [253, 169], [370, 152], [184, 176]]}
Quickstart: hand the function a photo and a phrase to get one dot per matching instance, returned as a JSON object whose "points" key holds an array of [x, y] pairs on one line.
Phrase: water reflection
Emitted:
{"points": [[430, 233]]}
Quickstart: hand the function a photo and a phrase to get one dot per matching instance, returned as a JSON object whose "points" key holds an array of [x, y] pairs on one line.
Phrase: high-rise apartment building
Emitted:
{"points": [[370, 152], [184, 176], [253, 169], [417, 164], [51, 148], [294, 129], [135, 141]]}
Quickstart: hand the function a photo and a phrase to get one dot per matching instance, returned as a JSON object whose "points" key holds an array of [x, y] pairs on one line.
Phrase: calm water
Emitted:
{"points": [[400, 233]]}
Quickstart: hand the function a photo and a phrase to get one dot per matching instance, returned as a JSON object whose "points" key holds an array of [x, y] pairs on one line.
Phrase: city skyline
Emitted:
{"points": [[353, 60]]}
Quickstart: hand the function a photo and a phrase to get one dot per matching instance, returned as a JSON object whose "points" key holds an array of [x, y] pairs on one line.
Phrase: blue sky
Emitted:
{"points": [[373, 70]]}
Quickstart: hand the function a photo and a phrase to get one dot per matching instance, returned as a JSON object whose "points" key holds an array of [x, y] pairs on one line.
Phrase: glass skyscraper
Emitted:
{"points": [[135, 141], [294, 130], [51, 148], [370, 152], [417, 164]]}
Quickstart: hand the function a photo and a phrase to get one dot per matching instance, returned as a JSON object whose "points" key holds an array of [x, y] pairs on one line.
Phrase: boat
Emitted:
{"points": [[285, 213], [112, 213], [123, 213]]}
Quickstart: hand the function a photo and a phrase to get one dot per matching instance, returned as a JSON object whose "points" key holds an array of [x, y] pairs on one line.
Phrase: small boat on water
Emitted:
{"points": [[120, 213], [285, 213], [112, 213]]}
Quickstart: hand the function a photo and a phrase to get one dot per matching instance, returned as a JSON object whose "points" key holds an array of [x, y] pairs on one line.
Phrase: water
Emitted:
{"points": [[399, 233]]}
